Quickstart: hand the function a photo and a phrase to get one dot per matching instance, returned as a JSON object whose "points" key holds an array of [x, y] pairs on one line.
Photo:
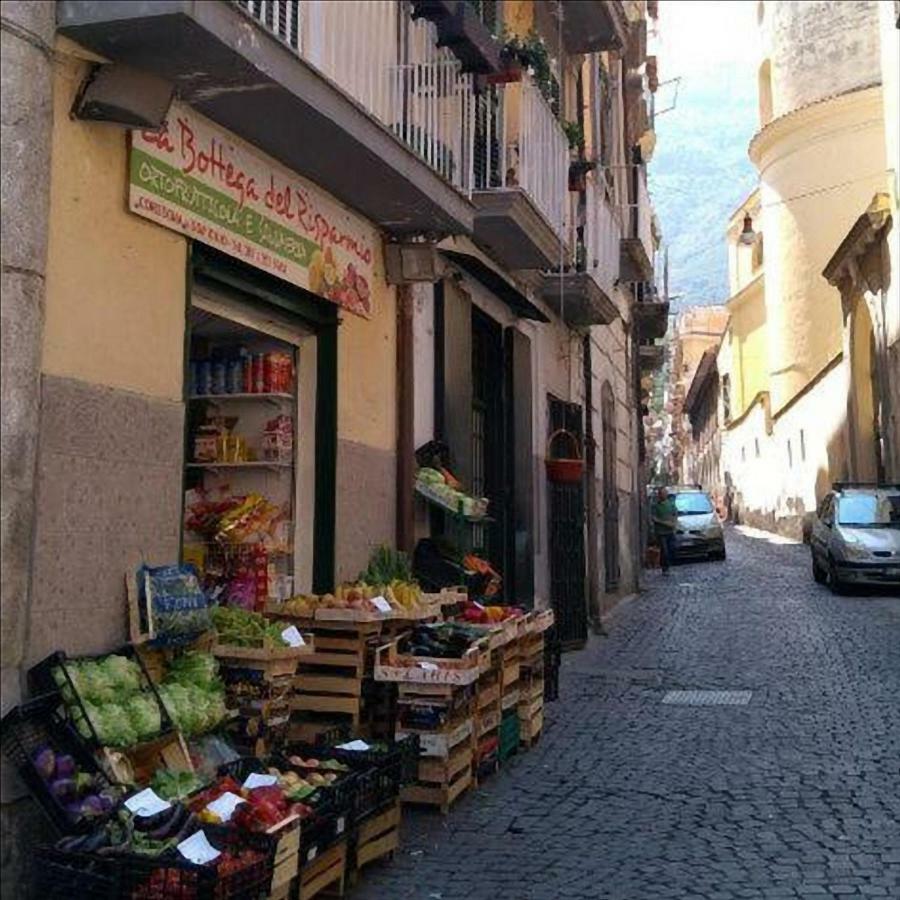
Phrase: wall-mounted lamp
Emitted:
{"points": [[748, 235]]}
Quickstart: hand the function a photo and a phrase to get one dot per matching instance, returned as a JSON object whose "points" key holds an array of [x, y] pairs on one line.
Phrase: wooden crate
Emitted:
{"points": [[376, 838], [487, 722], [436, 770], [325, 872], [530, 707], [138, 763], [440, 743], [391, 665], [443, 795], [530, 729]]}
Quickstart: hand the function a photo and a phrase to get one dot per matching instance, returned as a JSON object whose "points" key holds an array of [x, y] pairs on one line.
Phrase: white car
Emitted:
{"points": [[855, 537]]}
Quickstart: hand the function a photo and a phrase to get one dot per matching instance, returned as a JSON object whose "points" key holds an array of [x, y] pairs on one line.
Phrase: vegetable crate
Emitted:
{"points": [[28, 731], [61, 875], [286, 864], [376, 838], [325, 871], [262, 706], [272, 661], [243, 871], [138, 763], [392, 665], [113, 675]]}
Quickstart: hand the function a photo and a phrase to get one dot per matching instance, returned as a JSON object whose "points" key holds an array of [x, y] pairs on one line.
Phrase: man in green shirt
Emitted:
{"points": [[665, 516]]}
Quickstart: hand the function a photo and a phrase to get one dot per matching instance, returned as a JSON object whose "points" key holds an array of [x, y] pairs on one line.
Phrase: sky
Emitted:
{"points": [[700, 170]]}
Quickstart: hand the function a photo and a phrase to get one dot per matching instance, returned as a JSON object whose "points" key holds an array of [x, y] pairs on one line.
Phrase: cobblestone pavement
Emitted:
{"points": [[796, 794]]}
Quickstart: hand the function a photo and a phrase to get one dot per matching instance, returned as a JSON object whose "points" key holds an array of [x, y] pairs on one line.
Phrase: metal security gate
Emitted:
{"points": [[566, 541], [610, 489]]}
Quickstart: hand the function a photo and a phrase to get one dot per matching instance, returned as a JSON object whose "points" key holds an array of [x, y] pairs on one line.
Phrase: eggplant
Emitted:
{"points": [[170, 826], [160, 821], [65, 766], [188, 827], [44, 760]]}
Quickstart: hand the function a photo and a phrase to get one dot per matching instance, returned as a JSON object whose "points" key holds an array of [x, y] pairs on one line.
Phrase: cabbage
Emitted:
{"points": [[122, 673], [144, 716], [194, 667], [113, 726]]}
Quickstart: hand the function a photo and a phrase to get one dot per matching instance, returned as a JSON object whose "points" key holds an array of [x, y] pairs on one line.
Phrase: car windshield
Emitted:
{"points": [[869, 510], [693, 504]]}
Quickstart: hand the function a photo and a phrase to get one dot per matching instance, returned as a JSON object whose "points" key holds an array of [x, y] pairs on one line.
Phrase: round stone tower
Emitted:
{"points": [[820, 156]]}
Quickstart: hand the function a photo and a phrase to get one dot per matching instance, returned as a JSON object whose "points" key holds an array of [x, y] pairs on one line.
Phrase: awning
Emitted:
{"points": [[497, 285]]}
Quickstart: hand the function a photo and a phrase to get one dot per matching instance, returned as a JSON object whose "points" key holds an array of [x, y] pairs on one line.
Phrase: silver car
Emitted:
{"points": [[855, 537], [698, 532]]}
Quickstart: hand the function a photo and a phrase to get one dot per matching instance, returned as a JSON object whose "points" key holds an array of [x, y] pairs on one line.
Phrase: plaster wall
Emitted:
{"points": [[818, 168], [748, 364], [819, 48]]}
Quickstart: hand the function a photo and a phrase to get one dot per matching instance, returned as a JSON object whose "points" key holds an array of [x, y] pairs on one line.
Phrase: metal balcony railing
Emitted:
{"points": [[602, 235], [520, 143], [391, 66]]}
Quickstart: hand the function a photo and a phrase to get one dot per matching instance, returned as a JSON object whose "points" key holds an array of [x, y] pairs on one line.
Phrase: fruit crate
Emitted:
{"points": [[27, 729], [324, 871], [145, 878], [43, 680], [62, 875], [377, 837]]}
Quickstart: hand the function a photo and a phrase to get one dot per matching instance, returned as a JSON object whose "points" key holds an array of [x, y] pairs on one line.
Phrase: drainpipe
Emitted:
{"points": [[405, 524]]}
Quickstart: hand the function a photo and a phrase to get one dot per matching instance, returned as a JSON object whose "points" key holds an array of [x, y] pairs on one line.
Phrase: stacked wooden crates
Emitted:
{"points": [[436, 701], [531, 677], [329, 687]]}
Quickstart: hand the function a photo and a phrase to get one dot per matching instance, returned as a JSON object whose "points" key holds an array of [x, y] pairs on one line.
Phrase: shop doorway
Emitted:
{"points": [[260, 442], [866, 456], [568, 594], [610, 489]]}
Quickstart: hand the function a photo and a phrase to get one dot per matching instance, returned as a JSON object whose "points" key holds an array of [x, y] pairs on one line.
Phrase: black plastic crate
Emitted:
{"points": [[62, 875], [42, 681], [174, 878], [28, 728]]}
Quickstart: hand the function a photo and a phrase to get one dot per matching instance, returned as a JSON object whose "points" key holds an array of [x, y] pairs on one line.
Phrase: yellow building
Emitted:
{"points": [[820, 153]]}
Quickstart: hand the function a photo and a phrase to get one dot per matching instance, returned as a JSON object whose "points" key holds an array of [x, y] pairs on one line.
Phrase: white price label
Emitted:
{"points": [[340, 825], [293, 637], [147, 803], [428, 667], [255, 780], [311, 855], [225, 805], [198, 850], [356, 745], [381, 604]]}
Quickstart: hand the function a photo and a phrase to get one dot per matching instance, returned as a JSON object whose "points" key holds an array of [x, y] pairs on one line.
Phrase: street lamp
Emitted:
{"points": [[748, 235]]}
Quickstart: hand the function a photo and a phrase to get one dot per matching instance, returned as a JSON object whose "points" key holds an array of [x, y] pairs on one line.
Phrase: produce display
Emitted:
{"points": [[193, 693], [81, 794], [445, 640], [175, 786], [242, 628], [476, 614], [435, 485], [114, 697]]}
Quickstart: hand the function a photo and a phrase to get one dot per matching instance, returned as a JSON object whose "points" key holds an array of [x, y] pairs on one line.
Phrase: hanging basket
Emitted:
{"points": [[564, 469]]}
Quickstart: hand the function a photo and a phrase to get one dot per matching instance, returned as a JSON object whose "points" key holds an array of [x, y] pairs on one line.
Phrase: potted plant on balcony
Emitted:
{"points": [[578, 165], [518, 54]]}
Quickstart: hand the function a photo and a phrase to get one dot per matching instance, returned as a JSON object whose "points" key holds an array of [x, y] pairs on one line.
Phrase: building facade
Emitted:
{"points": [[451, 238], [807, 379]]}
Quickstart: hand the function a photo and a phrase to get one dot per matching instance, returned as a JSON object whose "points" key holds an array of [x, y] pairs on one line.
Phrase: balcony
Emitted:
{"points": [[637, 250], [322, 87], [651, 355], [592, 25], [521, 178], [650, 313], [584, 298]]}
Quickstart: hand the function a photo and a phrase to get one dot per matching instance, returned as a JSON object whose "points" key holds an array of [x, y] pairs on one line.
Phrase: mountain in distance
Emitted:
{"points": [[699, 174]]}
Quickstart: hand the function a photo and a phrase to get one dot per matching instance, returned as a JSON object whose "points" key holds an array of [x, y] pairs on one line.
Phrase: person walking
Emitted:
{"points": [[665, 516]]}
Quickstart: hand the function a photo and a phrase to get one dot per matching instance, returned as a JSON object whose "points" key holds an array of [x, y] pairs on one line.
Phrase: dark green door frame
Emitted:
{"points": [[312, 314]]}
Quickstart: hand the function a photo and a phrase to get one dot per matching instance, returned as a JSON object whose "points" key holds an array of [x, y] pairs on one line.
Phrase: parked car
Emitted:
{"points": [[698, 532], [855, 538]]}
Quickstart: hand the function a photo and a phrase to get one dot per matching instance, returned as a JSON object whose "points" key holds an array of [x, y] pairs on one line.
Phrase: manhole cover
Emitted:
{"points": [[707, 698]]}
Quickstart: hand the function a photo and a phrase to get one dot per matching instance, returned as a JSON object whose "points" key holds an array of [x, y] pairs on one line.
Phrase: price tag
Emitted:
{"points": [[381, 604], [428, 667], [477, 605], [147, 803], [255, 780], [356, 745], [198, 850], [293, 637], [225, 805], [312, 854], [340, 825]]}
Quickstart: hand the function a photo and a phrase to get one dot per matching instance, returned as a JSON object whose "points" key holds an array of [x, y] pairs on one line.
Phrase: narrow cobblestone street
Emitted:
{"points": [[796, 794]]}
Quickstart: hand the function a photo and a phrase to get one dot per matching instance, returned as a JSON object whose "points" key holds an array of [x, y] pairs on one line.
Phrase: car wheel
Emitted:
{"points": [[818, 574]]}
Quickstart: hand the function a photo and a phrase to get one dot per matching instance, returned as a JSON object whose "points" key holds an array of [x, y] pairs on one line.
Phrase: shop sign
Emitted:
{"points": [[195, 178]]}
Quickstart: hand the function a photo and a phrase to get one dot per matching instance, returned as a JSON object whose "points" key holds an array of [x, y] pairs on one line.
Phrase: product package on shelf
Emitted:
{"points": [[167, 605]]}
